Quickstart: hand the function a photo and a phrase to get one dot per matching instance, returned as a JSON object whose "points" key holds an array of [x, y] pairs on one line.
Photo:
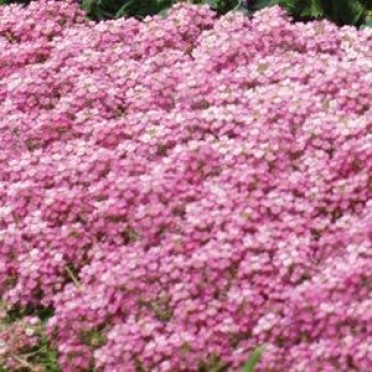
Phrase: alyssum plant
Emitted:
{"points": [[178, 191]]}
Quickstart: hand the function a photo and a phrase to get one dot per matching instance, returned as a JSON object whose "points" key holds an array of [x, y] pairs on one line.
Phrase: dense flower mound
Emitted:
{"points": [[181, 190]]}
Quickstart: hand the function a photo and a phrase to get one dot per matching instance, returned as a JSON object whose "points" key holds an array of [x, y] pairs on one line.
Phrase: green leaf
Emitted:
{"points": [[87, 5], [212, 3], [367, 24], [259, 4], [164, 13], [345, 11], [124, 9], [253, 360], [313, 10], [357, 10]]}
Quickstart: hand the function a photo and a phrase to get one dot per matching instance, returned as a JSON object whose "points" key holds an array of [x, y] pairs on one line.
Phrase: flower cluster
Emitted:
{"points": [[16, 338], [181, 190]]}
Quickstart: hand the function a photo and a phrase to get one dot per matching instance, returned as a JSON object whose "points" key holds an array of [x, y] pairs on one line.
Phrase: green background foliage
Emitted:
{"points": [[109, 9], [342, 12], [353, 12]]}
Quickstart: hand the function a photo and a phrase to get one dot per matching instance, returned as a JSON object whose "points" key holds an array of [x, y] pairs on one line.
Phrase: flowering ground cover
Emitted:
{"points": [[176, 192]]}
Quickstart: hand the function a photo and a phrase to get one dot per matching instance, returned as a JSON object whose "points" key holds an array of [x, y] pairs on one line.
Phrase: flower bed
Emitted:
{"points": [[178, 191]]}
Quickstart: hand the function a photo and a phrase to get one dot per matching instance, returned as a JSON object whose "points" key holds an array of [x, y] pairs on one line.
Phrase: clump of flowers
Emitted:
{"points": [[17, 339], [181, 190]]}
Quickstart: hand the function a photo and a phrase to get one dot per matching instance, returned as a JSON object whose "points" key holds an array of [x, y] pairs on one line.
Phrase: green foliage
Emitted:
{"points": [[42, 355], [46, 356], [94, 338], [3, 2], [253, 360], [213, 364], [353, 12], [223, 6], [109, 9], [368, 20]]}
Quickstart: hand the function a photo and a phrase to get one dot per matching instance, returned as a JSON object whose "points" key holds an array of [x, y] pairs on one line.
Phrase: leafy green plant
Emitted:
{"points": [[41, 357], [353, 12], [368, 19], [109, 9], [4, 2], [223, 6]]}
